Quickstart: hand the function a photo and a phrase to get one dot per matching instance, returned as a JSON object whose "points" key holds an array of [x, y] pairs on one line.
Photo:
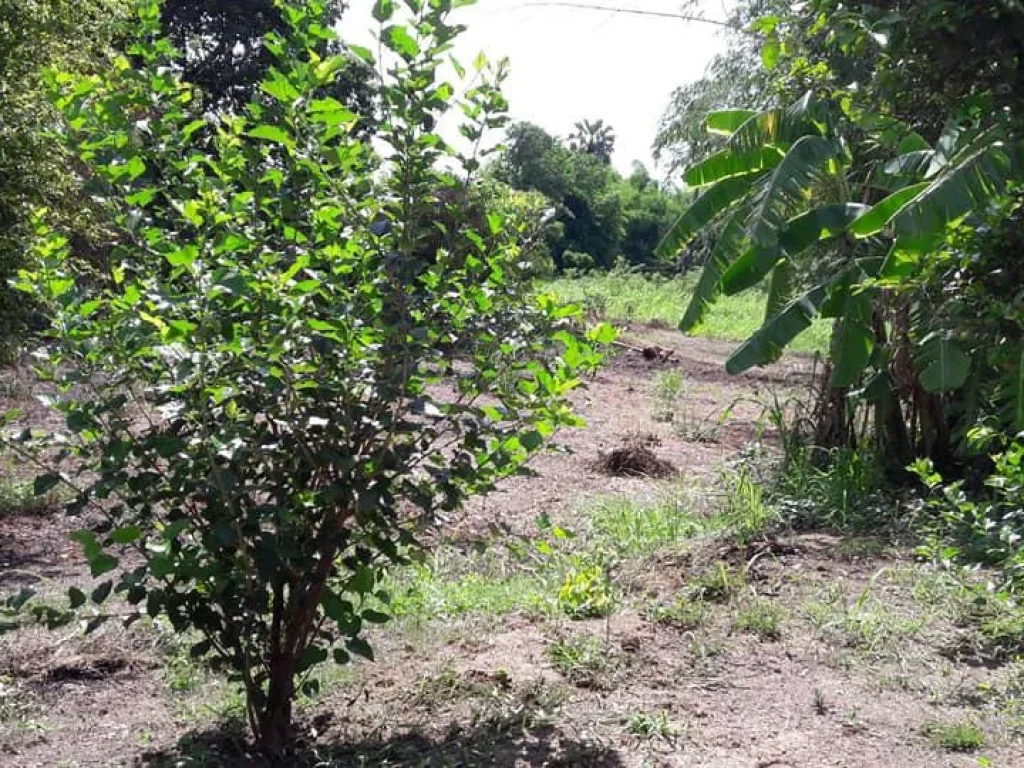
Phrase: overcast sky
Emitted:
{"points": [[570, 64]]}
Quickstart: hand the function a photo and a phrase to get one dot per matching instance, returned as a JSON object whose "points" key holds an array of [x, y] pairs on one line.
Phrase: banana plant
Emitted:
{"points": [[791, 184]]}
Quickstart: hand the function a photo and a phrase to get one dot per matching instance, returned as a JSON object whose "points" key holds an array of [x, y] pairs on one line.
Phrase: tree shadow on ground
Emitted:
{"points": [[485, 745]]}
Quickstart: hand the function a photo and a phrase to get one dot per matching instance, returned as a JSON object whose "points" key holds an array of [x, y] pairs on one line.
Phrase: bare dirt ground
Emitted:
{"points": [[816, 650]]}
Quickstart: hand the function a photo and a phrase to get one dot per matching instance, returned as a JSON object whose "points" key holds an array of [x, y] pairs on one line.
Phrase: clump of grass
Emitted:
{"points": [[682, 613], [744, 515], [585, 661], [652, 725], [866, 625], [963, 736], [760, 617], [629, 529], [717, 585]]}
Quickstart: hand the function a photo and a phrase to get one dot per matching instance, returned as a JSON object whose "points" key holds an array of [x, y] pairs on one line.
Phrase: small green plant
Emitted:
{"points": [[821, 706], [956, 737], [744, 515], [587, 592], [655, 725], [718, 585], [682, 613], [586, 661], [760, 617], [668, 385]]}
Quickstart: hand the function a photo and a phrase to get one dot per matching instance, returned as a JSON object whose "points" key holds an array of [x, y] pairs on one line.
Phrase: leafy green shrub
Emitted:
{"points": [[585, 661], [956, 737], [986, 527], [668, 385], [281, 386], [587, 592]]}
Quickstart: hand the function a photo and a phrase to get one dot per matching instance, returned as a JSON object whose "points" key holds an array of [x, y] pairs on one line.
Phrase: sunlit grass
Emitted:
{"points": [[647, 298]]}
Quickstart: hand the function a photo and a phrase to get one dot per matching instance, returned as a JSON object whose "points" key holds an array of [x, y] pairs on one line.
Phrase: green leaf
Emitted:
{"points": [[725, 122], [383, 10], [76, 597], [711, 204], [362, 581], [277, 85], [100, 593], [943, 364], [375, 617], [360, 647], [398, 39], [126, 534], [879, 216], [43, 484], [770, 51], [822, 223], [726, 164], [853, 340], [780, 289], [310, 657], [749, 269], [274, 134], [969, 184], [768, 342], [730, 242], [810, 160]]}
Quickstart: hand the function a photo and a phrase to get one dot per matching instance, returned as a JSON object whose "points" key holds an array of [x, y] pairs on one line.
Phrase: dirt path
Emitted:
{"points": [[814, 651]]}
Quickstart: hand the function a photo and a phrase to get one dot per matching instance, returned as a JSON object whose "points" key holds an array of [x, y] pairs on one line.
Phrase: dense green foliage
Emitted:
{"points": [[881, 189], [600, 218], [279, 388], [34, 35]]}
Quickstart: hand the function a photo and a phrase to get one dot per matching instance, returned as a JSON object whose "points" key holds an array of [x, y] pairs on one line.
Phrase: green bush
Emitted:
{"points": [[262, 401], [982, 527]]}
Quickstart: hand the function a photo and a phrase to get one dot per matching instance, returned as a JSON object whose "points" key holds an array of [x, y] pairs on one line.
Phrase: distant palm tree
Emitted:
{"points": [[595, 138]]}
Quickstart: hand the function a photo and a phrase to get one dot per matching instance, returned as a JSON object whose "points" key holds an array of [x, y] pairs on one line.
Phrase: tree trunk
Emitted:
{"points": [[276, 719]]}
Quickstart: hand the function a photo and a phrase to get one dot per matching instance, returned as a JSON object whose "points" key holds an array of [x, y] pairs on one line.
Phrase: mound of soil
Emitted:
{"points": [[634, 458]]}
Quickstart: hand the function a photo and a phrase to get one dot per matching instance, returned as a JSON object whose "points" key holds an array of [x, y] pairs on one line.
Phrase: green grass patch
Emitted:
{"points": [[629, 528], [956, 737], [760, 617], [17, 497], [643, 298]]}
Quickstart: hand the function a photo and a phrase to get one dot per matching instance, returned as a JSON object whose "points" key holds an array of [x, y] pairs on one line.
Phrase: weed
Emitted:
{"points": [[627, 528], [586, 661], [717, 585], [955, 737], [587, 592], [744, 514], [760, 617], [682, 613], [668, 385], [651, 726], [867, 625], [15, 702]]}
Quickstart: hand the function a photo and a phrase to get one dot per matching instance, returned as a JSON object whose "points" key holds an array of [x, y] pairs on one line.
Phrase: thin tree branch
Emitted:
{"points": [[633, 11]]}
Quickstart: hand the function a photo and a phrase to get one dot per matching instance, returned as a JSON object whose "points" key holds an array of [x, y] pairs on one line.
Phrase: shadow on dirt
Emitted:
{"points": [[461, 747]]}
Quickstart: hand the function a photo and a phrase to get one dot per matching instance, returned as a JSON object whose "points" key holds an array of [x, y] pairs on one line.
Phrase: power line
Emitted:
{"points": [[631, 11]]}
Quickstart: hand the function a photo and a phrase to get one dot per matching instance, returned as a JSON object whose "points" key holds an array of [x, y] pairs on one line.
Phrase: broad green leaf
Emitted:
{"points": [[729, 243], [788, 186], [726, 164], [272, 133], [852, 338], [383, 10], [1011, 394], [725, 122], [711, 204], [970, 184], [749, 269], [822, 223], [780, 289], [942, 363], [879, 216], [770, 51], [43, 484], [768, 342], [781, 127]]}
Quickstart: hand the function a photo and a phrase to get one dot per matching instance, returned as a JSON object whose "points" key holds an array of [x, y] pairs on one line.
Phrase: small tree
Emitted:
{"points": [[279, 388]]}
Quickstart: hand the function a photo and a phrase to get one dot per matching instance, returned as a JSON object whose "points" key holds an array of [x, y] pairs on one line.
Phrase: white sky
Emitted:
{"points": [[571, 64]]}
